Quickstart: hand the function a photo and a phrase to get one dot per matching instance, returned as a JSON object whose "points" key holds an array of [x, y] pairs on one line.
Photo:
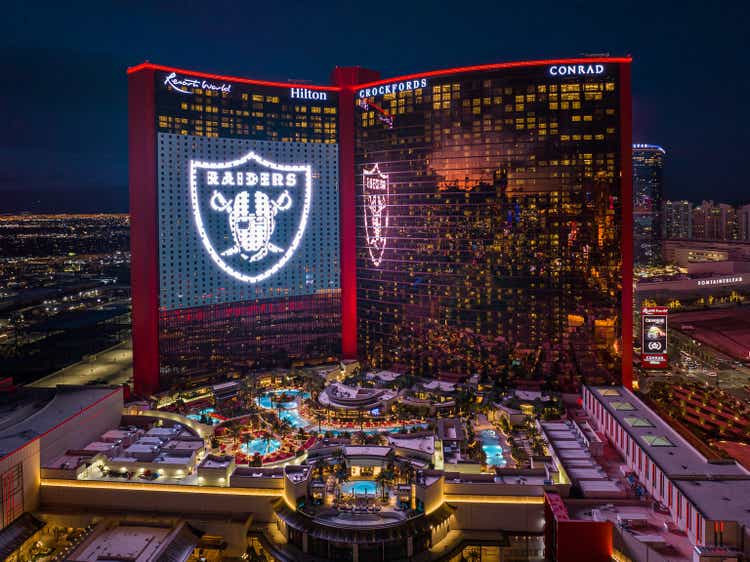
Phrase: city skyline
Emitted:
{"points": [[431, 283], [80, 131]]}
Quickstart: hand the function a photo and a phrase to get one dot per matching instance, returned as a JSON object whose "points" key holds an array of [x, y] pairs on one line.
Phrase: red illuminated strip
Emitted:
{"points": [[428, 74], [150, 66], [496, 66]]}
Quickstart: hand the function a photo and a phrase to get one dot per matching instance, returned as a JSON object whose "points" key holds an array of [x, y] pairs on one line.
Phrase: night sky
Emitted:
{"points": [[63, 94]]}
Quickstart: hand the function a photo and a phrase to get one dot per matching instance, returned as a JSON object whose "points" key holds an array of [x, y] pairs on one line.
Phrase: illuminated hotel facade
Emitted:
{"points": [[235, 241], [504, 226], [451, 222]]}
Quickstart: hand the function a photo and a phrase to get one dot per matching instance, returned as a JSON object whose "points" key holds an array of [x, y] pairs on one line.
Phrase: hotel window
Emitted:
{"points": [[11, 503], [622, 406], [657, 441], [634, 421]]}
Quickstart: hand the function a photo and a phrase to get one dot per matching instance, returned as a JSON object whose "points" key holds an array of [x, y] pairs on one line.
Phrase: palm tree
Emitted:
{"points": [[382, 479], [247, 442], [234, 430], [408, 473]]}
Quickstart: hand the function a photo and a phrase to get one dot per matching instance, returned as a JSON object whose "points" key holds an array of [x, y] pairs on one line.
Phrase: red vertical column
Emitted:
{"points": [[626, 194], [347, 78], [144, 235]]}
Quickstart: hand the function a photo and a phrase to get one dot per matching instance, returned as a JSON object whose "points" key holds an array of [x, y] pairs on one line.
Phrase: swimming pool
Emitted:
{"points": [[260, 446], [292, 416], [494, 455], [287, 411], [267, 400], [370, 431], [493, 451], [204, 412], [360, 487]]}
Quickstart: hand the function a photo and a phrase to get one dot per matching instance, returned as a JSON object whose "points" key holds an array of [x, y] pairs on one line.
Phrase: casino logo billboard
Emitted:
{"points": [[376, 191], [254, 194], [654, 337]]}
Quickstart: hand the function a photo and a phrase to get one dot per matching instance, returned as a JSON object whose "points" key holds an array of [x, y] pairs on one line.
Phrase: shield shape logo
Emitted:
{"points": [[250, 213], [376, 190]]}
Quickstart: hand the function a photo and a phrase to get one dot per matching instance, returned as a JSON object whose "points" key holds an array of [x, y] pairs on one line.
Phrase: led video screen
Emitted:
{"points": [[245, 220]]}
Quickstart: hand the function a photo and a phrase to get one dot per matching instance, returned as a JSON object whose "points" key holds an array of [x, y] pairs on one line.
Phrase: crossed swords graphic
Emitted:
{"points": [[266, 210]]}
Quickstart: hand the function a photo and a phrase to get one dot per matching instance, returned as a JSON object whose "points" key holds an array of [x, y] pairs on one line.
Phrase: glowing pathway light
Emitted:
{"points": [[251, 200]]}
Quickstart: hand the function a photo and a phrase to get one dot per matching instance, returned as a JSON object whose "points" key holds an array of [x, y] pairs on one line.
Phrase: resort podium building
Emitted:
{"points": [[441, 224]]}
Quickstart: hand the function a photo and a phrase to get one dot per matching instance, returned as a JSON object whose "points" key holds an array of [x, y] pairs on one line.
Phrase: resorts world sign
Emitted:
{"points": [[180, 84], [252, 194]]}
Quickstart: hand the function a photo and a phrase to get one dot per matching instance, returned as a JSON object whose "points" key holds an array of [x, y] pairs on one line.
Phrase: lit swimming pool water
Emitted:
{"points": [[370, 431], [267, 399], [287, 410], [360, 487], [293, 417], [261, 446], [204, 412], [494, 455], [493, 451]]}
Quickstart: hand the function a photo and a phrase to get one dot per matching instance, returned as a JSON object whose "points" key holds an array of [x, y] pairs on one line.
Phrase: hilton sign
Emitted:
{"points": [[307, 94]]}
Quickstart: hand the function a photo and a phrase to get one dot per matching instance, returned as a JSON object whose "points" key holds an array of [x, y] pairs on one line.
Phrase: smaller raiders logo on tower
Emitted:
{"points": [[375, 188], [250, 213]]}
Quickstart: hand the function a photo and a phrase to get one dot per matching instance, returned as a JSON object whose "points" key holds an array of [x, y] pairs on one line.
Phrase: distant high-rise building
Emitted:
{"points": [[648, 189], [743, 222], [713, 221], [677, 219]]}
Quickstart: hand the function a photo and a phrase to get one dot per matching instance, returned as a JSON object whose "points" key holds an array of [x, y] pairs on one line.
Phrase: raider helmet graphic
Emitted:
{"points": [[375, 190], [250, 213]]}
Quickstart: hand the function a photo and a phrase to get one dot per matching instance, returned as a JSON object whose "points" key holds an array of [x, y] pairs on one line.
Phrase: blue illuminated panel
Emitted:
{"points": [[245, 220]]}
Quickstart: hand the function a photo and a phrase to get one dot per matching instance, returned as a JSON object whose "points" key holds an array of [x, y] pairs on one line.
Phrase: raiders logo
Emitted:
{"points": [[250, 213], [375, 190]]}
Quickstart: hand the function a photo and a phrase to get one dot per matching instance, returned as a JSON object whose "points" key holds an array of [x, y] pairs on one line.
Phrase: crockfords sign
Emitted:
{"points": [[180, 84], [576, 69], [395, 88], [307, 94]]}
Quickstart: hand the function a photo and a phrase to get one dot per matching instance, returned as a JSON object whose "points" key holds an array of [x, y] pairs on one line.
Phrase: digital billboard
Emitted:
{"points": [[243, 219], [654, 337]]}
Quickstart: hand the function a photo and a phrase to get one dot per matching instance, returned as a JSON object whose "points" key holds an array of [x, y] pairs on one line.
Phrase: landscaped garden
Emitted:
{"points": [[267, 420]]}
